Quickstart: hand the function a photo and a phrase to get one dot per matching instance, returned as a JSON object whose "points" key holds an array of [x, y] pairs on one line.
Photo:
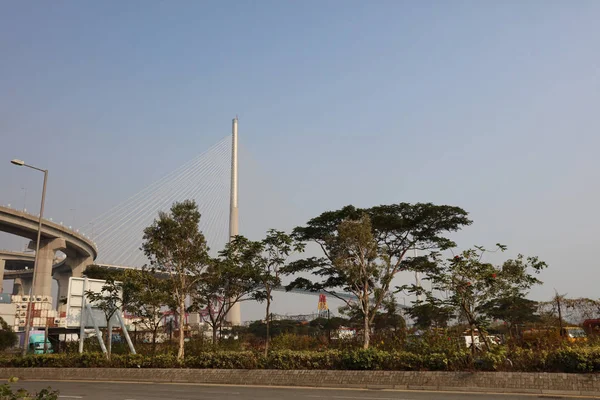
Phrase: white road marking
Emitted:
{"points": [[70, 397], [354, 397], [203, 391]]}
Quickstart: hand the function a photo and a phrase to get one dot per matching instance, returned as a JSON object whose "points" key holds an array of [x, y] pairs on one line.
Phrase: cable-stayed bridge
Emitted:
{"points": [[205, 179], [116, 236]]}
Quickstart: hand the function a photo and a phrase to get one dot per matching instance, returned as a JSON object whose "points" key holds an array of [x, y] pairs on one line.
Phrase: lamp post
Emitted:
{"points": [[21, 163]]}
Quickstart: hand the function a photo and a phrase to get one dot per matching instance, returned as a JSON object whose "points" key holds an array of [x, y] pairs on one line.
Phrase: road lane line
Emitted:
{"points": [[207, 392], [70, 397], [354, 397]]}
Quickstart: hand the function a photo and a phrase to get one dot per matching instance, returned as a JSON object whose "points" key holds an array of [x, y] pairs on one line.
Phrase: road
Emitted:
{"points": [[151, 391]]}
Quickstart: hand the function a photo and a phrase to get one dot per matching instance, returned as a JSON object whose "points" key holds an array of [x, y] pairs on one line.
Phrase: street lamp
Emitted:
{"points": [[21, 163]]}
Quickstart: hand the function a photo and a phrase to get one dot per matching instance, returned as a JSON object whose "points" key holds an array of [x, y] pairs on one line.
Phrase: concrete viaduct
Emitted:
{"points": [[80, 252]]}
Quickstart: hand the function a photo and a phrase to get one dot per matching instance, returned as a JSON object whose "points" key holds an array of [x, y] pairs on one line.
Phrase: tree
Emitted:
{"points": [[570, 310], [513, 310], [109, 301], [99, 272], [327, 325], [364, 249], [231, 278], [104, 273], [470, 284], [430, 314], [390, 319], [583, 308], [149, 295], [176, 247], [274, 249], [8, 338]]}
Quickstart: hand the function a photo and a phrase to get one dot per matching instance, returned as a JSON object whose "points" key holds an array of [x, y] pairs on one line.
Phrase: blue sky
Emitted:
{"points": [[491, 106]]}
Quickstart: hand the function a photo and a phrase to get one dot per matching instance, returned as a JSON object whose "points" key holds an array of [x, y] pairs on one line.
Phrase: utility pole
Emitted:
{"points": [[234, 315]]}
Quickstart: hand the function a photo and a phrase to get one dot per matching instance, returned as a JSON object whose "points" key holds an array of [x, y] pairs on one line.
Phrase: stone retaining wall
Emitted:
{"points": [[499, 382]]}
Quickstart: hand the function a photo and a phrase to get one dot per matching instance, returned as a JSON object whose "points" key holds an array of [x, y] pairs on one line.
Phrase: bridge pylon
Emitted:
{"points": [[234, 316]]}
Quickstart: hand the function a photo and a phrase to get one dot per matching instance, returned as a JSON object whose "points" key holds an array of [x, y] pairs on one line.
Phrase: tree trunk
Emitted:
{"points": [[473, 324], [483, 335], [367, 334], [181, 352], [560, 320], [472, 339], [268, 321], [214, 334], [109, 338], [328, 328], [154, 334]]}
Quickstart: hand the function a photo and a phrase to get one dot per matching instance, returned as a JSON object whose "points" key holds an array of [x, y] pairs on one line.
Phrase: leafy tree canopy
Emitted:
{"points": [[364, 249]]}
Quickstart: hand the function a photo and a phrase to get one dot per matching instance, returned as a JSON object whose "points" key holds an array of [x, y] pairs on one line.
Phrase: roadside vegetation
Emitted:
{"points": [[468, 313], [7, 392]]}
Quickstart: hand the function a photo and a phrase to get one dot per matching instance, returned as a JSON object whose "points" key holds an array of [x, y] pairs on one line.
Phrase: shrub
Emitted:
{"points": [[570, 360], [290, 341], [303, 360], [565, 359], [403, 361], [528, 360], [6, 392], [364, 359], [432, 342], [435, 362], [225, 360]]}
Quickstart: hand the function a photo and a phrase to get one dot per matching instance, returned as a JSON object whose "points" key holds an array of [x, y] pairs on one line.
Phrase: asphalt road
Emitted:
{"points": [[147, 391]]}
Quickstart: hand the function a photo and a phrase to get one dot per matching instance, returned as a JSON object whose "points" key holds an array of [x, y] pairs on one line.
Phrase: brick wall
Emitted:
{"points": [[500, 382]]}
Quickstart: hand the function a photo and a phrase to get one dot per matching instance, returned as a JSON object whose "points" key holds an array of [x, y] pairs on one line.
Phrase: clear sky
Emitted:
{"points": [[491, 106]]}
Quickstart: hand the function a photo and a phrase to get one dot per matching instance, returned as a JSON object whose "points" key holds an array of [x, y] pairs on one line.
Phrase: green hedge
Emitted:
{"points": [[575, 360]]}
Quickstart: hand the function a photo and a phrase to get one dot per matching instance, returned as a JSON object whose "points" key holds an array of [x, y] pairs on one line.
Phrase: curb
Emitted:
{"points": [[551, 384]]}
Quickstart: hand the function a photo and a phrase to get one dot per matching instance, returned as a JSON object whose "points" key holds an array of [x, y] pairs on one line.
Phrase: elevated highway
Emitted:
{"points": [[18, 267], [80, 250]]}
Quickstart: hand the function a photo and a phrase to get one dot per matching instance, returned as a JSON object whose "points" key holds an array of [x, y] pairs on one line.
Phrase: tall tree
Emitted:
{"points": [[583, 308], [364, 249], [231, 278], [570, 310], [390, 318], [149, 295], [470, 283], [431, 314], [513, 310], [99, 272], [176, 247], [275, 249]]}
